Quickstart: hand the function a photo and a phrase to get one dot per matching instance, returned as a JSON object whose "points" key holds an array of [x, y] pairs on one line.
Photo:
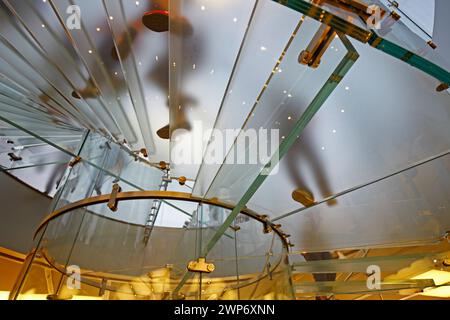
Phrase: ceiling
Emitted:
{"points": [[375, 156]]}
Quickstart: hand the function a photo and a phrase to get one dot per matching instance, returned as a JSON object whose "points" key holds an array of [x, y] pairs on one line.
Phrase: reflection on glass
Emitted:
{"points": [[407, 208], [127, 268]]}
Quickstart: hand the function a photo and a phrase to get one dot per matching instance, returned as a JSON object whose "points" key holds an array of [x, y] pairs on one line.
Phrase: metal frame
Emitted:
{"points": [[366, 35], [161, 195]]}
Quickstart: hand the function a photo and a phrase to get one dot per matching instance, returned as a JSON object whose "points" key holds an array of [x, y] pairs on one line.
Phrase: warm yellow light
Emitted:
{"points": [[440, 292], [4, 295], [33, 296], [439, 277]]}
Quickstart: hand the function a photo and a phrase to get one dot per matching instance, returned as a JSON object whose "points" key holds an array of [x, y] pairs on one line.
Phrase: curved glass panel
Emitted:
{"points": [[247, 266], [104, 163]]}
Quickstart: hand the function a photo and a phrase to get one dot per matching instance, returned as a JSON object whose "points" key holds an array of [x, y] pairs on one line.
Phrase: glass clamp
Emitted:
{"points": [[200, 266], [112, 203]]}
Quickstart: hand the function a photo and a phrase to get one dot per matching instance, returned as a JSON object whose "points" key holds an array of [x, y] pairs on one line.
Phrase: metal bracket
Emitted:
{"points": [[432, 44], [276, 226], [312, 55], [144, 152], [112, 203], [14, 157], [200, 266], [394, 4], [366, 12], [163, 165], [74, 161], [442, 87], [266, 227], [363, 10], [303, 196], [235, 228], [182, 180]]}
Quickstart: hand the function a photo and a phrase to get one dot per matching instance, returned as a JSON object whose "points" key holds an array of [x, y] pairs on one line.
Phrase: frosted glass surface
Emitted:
{"points": [[371, 126], [410, 208], [280, 106], [203, 61], [74, 76]]}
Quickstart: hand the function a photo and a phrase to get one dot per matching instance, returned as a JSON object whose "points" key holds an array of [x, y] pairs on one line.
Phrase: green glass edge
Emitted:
{"points": [[332, 82], [337, 75], [368, 36], [328, 18], [409, 57]]}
